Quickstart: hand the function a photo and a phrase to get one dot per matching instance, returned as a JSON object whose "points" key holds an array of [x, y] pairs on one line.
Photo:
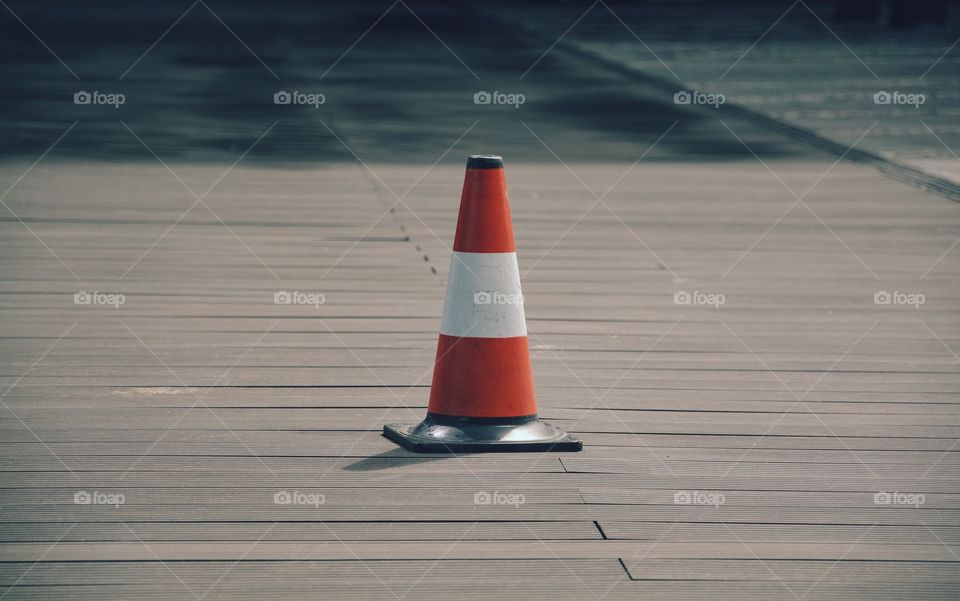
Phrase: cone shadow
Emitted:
{"points": [[393, 458]]}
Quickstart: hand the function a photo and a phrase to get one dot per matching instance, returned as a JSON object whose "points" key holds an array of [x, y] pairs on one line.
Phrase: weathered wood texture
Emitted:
{"points": [[198, 399]]}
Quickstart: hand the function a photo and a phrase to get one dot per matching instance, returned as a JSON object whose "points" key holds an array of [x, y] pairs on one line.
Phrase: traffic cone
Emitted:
{"points": [[482, 397]]}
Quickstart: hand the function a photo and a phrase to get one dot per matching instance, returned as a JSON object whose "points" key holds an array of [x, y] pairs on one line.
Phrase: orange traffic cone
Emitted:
{"points": [[482, 398]]}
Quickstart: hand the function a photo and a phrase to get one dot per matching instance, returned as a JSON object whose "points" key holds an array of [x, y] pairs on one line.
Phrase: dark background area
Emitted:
{"points": [[199, 78]]}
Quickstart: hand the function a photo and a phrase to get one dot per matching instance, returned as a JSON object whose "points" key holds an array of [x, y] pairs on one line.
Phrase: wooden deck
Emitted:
{"points": [[198, 399], [813, 432]]}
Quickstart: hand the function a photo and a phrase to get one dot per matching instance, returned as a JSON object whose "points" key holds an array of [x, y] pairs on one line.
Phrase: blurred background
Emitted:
{"points": [[398, 79]]}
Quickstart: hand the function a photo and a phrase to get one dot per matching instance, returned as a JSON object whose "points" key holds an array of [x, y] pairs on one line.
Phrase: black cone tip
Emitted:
{"points": [[484, 161]]}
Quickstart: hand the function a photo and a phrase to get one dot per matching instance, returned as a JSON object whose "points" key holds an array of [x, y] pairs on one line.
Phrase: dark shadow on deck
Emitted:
{"points": [[393, 458]]}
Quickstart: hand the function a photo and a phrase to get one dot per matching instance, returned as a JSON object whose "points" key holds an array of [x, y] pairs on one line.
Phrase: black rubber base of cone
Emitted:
{"points": [[434, 435]]}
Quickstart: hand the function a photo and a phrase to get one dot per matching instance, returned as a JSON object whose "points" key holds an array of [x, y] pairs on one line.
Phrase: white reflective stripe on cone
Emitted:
{"points": [[483, 297]]}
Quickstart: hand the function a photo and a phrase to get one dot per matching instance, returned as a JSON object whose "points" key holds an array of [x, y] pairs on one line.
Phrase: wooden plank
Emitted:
{"points": [[383, 550], [301, 531]]}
